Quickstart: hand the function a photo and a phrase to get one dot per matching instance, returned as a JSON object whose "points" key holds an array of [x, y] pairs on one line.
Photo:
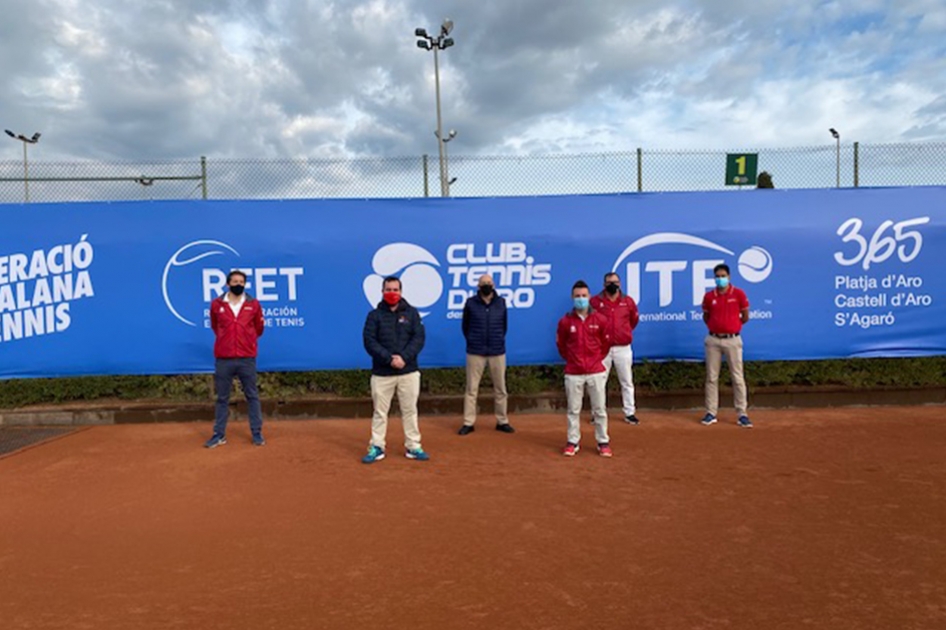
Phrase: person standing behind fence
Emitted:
{"points": [[394, 337], [582, 340], [725, 310], [237, 320], [485, 323], [621, 313]]}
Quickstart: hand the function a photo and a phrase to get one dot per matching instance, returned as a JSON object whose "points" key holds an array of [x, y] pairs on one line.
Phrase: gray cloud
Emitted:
{"points": [[182, 78]]}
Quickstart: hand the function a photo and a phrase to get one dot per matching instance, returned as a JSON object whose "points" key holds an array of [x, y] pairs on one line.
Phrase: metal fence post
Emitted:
{"points": [[426, 177], [857, 164], [203, 176], [640, 170]]}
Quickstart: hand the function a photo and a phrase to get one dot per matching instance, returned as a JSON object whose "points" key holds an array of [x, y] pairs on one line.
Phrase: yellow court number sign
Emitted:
{"points": [[742, 169]]}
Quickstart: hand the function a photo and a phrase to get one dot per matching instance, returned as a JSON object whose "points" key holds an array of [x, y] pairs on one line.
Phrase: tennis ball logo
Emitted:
{"points": [[755, 264], [183, 258], [421, 283]]}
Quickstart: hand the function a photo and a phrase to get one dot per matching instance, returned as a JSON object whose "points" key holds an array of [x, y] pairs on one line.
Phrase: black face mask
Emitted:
{"points": [[486, 290], [237, 289], [612, 288]]}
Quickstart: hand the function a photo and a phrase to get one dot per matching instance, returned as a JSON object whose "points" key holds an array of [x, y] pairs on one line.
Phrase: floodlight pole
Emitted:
{"points": [[26, 175], [441, 42], [837, 138], [26, 163]]}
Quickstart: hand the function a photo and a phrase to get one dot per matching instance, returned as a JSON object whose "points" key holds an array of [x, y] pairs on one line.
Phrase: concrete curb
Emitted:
{"points": [[334, 407]]}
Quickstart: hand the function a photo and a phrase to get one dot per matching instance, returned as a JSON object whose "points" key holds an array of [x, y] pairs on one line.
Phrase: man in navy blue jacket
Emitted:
{"points": [[394, 336], [484, 325]]}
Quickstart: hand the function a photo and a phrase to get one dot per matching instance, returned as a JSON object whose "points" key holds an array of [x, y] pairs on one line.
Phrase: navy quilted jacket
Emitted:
{"points": [[390, 332], [485, 326]]}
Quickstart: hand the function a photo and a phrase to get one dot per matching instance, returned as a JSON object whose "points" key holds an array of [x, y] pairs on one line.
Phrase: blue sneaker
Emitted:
{"points": [[258, 439], [418, 454], [708, 419], [744, 422], [215, 441], [375, 454]]}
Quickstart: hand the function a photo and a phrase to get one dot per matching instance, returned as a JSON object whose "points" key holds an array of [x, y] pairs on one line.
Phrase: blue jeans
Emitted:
{"points": [[245, 370]]}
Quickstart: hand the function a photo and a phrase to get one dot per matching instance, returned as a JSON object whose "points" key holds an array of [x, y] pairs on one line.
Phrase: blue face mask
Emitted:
{"points": [[581, 303], [722, 283]]}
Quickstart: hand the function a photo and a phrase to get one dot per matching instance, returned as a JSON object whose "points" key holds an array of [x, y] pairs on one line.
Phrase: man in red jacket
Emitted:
{"points": [[237, 321], [582, 340], [621, 313]]}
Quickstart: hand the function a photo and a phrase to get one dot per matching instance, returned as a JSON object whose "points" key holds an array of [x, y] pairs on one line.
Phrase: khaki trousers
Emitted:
{"points": [[407, 388], [731, 348], [475, 366], [596, 384]]}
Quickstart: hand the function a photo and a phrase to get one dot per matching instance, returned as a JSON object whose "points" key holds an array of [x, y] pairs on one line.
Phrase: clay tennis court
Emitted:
{"points": [[814, 519]]}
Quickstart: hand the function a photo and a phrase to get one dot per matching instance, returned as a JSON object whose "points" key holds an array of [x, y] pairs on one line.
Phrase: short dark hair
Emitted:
{"points": [[611, 273], [721, 267], [236, 272], [581, 284], [393, 279]]}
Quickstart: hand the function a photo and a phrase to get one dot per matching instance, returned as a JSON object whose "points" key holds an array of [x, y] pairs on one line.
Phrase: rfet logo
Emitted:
{"points": [[188, 287], [754, 265], [514, 271]]}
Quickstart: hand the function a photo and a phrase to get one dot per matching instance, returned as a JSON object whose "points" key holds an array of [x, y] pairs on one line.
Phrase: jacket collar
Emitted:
{"points": [[223, 296], [574, 313], [402, 306]]}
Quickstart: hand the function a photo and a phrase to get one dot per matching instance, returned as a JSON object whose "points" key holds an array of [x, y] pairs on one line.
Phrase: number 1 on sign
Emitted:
{"points": [[741, 161]]}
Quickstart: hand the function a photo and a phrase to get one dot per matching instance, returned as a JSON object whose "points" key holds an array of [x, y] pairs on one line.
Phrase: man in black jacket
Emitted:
{"points": [[394, 336], [485, 324]]}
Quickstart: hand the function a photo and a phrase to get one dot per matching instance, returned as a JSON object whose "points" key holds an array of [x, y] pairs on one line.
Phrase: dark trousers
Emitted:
{"points": [[245, 370]]}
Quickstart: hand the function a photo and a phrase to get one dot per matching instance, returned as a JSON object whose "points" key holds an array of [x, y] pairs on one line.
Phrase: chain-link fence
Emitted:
{"points": [[644, 170]]}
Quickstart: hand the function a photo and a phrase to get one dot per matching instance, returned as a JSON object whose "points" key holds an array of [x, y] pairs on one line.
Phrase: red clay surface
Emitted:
{"points": [[814, 519]]}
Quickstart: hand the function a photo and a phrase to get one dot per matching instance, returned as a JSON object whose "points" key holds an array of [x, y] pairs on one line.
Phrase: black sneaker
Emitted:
{"points": [[631, 419], [466, 429], [505, 428]]}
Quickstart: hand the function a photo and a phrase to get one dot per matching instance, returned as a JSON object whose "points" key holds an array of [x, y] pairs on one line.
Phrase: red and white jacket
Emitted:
{"points": [[621, 314], [236, 334], [583, 343]]}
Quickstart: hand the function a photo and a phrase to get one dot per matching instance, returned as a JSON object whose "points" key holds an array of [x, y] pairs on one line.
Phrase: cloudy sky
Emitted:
{"points": [[166, 79]]}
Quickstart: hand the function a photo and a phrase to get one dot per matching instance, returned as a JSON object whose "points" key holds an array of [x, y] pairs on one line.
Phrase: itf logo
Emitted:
{"points": [[188, 287], [421, 283], [754, 265]]}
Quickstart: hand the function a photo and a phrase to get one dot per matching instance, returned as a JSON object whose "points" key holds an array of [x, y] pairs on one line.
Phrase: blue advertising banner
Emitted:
{"points": [[124, 288]]}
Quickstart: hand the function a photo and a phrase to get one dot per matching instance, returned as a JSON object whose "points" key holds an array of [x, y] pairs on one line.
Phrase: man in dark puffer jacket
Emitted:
{"points": [[394, 336], [485, 323]]}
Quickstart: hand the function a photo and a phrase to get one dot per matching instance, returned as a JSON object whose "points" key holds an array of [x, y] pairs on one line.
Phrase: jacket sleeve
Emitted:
{"points": [[560, 337], [605, 338], [372, 344], [416, 343], [505, 319], [258, 322], [466, 321], [635, 314], [213, 318]]}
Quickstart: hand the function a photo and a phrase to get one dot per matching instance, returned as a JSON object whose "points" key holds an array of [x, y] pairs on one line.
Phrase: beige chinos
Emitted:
{"points": [[731, 348], [475, 366], [407, 388]]}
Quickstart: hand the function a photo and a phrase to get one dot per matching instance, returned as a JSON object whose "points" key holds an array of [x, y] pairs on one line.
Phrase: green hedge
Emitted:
{"points": [[855, 374]]}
